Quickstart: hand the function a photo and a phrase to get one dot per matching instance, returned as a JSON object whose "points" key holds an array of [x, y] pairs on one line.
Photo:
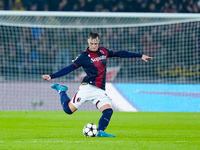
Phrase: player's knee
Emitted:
{"points": [[68, 111], [108, 111]]}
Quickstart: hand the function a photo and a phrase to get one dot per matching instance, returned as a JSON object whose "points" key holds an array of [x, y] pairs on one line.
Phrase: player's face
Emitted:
{"points": [[93, 44]]}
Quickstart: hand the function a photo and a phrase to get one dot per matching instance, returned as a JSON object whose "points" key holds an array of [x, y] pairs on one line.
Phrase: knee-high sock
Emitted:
{"points": [[105, 119], [64, 99]]}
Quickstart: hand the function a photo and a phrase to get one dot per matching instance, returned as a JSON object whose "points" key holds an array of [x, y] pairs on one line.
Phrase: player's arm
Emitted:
{"points": [[127, 54], [76, 64], [59, 73]]}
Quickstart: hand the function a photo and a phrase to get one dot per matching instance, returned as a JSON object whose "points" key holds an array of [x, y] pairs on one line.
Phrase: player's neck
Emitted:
{"points": [[92, 51]]}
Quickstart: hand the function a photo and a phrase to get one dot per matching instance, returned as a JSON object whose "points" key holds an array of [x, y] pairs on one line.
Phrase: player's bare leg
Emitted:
{"points": [[107, 106], [107, 112], [72, 107]]}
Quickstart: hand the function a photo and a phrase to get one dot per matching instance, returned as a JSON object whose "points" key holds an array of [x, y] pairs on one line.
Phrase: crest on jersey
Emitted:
{"points": [[102, 52], [78, 99]]}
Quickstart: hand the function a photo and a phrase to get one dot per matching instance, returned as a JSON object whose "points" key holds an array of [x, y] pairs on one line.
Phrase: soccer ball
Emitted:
{"points": [[90, 130]]}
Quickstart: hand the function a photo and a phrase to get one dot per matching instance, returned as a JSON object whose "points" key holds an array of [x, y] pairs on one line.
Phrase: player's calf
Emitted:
{"points": [[64, 99], [65, 102], [105, 119], [66, 109]]}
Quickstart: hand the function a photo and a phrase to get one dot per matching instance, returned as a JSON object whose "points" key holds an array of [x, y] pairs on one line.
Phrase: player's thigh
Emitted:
{"points": [[78, 99], [102, 101], [84, 94]]}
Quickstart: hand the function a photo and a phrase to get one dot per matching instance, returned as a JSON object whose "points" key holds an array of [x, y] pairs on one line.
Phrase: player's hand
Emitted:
{"points": [[146, 58], [46, 77]]}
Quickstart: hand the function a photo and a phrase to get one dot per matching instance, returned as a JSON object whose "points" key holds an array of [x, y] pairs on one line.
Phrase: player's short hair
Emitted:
{"points": [[93, 35]]}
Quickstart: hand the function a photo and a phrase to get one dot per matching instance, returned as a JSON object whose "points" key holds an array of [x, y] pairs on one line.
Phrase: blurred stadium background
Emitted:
{"points": [[46, 35]]}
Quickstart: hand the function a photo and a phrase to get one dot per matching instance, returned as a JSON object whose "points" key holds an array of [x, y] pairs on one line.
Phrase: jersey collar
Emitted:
{"points": [[91, 51]]}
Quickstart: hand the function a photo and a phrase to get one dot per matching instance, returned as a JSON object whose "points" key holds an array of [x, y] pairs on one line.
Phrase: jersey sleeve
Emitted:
{"points": [[123, 54], [78, 62], [63, 71], [111, 53], [127, 54]]}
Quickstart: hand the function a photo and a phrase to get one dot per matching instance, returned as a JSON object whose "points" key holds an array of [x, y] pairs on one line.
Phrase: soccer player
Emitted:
{"points": [[93, 60]]}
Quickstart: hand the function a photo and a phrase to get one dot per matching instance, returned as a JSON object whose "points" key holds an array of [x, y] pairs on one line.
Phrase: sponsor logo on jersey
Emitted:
{"points": [[98, 58]]}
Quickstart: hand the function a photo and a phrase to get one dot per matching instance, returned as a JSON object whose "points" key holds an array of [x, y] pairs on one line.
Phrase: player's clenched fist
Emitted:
{"points": [[46, 77]]}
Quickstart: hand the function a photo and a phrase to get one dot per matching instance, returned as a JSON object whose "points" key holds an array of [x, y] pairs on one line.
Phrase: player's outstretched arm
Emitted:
{"points": [[59, 73], [46, 77], [146, 58], [127, 54]]}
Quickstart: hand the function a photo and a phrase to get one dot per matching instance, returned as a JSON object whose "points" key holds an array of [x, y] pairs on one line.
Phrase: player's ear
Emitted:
{"points": [[88, 40]]}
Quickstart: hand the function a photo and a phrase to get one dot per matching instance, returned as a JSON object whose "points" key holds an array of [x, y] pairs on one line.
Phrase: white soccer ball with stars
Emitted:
{"points": [[90, 130]]}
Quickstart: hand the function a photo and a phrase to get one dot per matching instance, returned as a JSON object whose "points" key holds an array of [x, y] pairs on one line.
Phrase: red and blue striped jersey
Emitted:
{"points": [[94, 64]]}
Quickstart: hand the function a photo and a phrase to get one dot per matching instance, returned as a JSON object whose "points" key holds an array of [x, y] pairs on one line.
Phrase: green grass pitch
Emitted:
{"points": [[45, 130]]}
